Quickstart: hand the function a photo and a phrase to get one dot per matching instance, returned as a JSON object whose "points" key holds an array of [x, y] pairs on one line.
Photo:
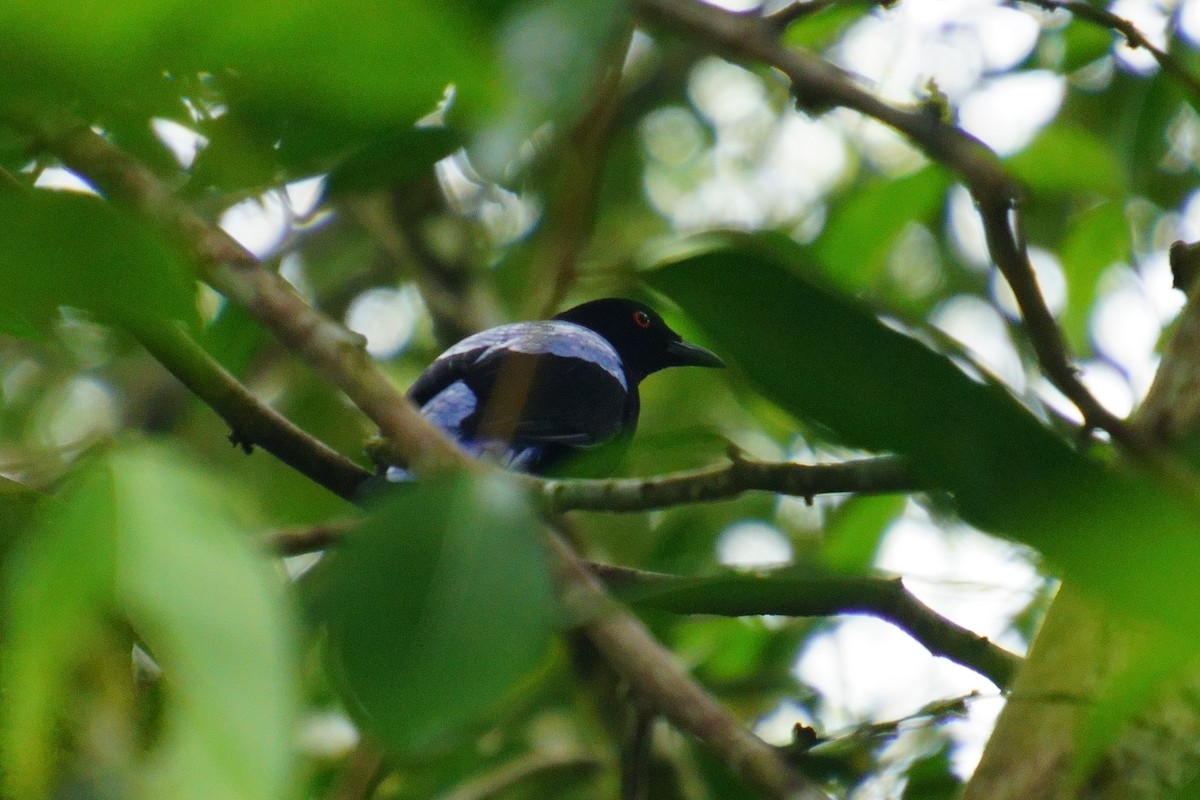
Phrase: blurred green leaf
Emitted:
{"points": [[1095, 239], [63, 248], [854, 530], [438, 605], [1067, 158], [820, 30], [365, 62], [932, 778], [143, 538], [1083, 43], [854, 246], [553, 53]]}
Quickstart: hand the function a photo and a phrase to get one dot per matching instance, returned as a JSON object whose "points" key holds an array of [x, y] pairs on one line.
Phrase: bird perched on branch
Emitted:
{"points": [[530, 394]]}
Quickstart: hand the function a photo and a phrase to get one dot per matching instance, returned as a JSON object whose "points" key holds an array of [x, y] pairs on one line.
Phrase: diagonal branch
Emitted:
{"points": [[750, 37], [657, 678], [251, 421], [1133, 37], [336, 353]]}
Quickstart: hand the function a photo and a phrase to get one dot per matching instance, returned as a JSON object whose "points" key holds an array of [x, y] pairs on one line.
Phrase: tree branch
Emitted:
{"points": [[819, 83], [333, 351], [801, 593], [251, 421], [1133, 37], [623, 641], [658, 679], [572, 206], [497, 782], [789, 593], [878, 475]]}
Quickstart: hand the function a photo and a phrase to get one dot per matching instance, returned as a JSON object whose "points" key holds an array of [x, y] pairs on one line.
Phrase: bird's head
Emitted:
{"points": [[641, 338]]}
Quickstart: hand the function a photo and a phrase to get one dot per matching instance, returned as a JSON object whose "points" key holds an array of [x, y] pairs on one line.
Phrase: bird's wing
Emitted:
{"points": [[533, 382]]}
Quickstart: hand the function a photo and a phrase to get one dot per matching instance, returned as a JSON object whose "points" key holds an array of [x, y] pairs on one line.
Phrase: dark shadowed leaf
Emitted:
{"points": [[393, 160], [830, 361], [140, 537], [437, 607]]}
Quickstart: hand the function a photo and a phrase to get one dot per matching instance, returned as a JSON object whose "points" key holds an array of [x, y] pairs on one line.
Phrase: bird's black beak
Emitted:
{"points": [[686, 354]]}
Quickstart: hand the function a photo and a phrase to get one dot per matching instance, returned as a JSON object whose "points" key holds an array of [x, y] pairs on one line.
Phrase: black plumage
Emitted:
{"points": [[530, 394]]}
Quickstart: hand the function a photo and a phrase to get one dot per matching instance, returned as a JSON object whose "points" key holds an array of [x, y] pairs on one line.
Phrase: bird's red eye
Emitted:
{"points": [[641, 319]]}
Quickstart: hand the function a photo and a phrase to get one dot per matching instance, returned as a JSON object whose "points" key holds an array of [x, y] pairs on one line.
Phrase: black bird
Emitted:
{"points": [[530, 394]]}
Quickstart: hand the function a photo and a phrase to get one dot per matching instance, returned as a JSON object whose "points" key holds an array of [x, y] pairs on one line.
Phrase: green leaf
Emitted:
{"points": [[860, 233], [554, 54], [931, 778], [437, 607], [66, 249], [143, 538], [830, 361], [820, 30], [368, 64], [1083, 43], [854, 530], [1067, 158], [1095, 239]]}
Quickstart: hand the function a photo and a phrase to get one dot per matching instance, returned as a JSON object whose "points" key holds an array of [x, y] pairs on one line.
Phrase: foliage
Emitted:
{"points": [[487, 161]]}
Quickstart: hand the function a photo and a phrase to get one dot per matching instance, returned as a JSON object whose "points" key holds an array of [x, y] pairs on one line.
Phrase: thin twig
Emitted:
{"points": [[812, 593], [361, 772], [571, 213], [497, 782], [1133, 37], [878, 475], [636, 754]]}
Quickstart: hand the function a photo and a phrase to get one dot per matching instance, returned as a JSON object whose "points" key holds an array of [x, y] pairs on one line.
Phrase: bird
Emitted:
{"points": [[530, 395]]}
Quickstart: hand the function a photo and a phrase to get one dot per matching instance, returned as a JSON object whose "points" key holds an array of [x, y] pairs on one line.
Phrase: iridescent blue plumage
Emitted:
{"points": [[529, 394]]}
